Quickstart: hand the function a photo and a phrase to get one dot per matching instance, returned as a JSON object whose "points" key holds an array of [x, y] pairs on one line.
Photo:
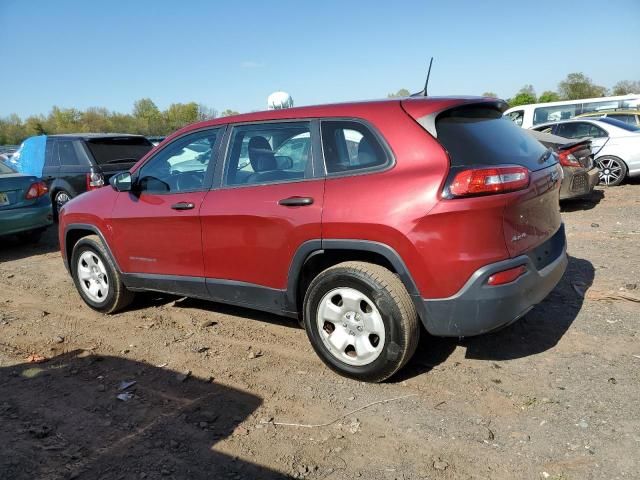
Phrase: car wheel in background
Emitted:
{"points": [[612, 170], [59, 199], [361, 321], [97, 278]]}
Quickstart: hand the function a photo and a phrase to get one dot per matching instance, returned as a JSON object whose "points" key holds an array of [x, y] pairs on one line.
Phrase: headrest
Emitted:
{"points": [[261, 156]]}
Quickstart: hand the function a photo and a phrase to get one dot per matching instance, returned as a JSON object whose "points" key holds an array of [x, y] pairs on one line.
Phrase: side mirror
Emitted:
{"points": [[122, 182]]}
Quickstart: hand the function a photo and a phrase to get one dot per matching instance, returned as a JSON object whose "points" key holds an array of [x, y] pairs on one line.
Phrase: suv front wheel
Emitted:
{"points": [[361, 321], [97, 278]]}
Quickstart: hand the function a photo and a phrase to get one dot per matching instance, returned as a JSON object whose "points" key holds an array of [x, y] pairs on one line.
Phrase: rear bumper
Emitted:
{"points": [[25, 219], [578, 182], [478, 308]]}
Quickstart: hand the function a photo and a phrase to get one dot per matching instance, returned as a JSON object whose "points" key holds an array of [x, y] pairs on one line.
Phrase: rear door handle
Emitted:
{"points": [[183, 206], [296, 201]]}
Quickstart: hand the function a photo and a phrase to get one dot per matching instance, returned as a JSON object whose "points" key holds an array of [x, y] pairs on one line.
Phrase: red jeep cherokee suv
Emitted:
{"points": [[365, 220]]}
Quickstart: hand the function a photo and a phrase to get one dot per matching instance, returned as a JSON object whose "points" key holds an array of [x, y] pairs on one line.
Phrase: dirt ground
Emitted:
{"points": [[554, 396]]}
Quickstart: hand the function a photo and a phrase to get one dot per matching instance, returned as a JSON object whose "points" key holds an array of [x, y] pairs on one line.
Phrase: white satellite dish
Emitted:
{"points": [[279, 100]]}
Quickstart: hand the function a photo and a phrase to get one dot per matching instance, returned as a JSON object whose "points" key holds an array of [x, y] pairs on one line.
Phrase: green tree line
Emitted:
{"points": [[575, 86], [145, 119]]}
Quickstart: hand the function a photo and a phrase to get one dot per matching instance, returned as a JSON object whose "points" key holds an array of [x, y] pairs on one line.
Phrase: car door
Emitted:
{"points": [[156, 226], [51, 168], [268, 202]]}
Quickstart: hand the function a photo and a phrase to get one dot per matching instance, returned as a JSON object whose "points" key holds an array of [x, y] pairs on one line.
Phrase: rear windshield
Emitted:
{"points": [[4, 170], [118, 149], [477, 135], [620, 124]]}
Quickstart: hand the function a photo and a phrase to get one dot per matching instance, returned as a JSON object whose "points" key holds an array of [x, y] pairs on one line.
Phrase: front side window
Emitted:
{"points": [[516, 117], [269, 153], [349, 146], [579, 130], [181, 166]]}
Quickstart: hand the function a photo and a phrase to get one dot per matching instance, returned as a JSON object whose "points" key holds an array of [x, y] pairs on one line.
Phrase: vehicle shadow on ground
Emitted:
{"points": [[12, 248], [148, 299], [540, 330], [543, 327], [61, 419], [585, 203]]}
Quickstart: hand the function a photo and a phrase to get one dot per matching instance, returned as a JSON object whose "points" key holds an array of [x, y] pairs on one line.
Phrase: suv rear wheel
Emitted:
{"points": [[361, 321], [97, 278]]}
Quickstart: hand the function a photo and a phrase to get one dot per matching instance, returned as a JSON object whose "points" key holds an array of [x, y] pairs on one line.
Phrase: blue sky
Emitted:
{"points": [[231, 54]]}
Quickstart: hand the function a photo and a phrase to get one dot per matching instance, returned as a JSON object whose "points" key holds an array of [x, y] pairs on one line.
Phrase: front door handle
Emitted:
{"points": [[296, 201], [183, 206]]}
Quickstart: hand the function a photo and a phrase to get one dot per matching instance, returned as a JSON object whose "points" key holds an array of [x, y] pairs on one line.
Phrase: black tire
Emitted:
{"points": [[57, 201], [608, 163], [32, 236], [118, 297], [386, 291]]}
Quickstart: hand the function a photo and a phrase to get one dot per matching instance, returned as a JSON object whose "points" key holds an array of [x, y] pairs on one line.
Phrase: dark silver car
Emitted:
{"points": [[581, 174]]}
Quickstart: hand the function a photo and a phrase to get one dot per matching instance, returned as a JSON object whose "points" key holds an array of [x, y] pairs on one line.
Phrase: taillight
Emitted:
{"points": [[567, 158], [36, 190], [94, 180], [484, 181], [507, 276]]}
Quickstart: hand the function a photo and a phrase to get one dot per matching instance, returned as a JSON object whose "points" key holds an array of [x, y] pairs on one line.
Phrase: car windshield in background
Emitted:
{"points": [[118, 149], [619, 124], [5, 170]]}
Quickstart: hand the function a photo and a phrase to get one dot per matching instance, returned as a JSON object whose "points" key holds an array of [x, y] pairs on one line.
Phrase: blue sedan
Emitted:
{"points": [[25, 206]]}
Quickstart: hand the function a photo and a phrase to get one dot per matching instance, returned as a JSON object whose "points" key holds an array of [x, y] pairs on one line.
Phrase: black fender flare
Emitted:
{"points": [[92, 228], [311, 248]]}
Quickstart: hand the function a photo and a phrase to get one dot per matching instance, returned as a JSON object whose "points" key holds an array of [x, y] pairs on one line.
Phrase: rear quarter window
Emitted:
{"points": [[350, 146], [476, 136]]}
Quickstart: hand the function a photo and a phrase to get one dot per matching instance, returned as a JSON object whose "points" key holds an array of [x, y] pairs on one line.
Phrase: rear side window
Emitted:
{"points": [[476, 135], [350, 146], [118, 149], [269, 153]]}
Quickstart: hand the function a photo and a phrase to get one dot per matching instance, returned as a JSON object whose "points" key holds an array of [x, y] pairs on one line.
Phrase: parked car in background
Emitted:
{"points": [[71, 164], [632, 117], [25, 206], [615, 145], [581, 174], [361, 219], [155, 140], [527, 116]]}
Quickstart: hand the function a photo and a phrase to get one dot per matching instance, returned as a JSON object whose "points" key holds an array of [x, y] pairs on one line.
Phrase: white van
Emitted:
{"points": [[526, 116]]}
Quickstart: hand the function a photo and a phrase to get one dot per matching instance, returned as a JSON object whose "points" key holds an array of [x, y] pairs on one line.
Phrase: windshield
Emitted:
{"points": [[118, 149], [476, 135], [619, 124]]}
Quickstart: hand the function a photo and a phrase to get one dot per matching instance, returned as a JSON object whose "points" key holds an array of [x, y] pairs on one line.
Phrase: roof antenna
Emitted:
{"points": [[423, 92]]}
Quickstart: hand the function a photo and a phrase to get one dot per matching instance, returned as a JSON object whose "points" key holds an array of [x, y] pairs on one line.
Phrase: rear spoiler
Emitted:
{"points": [[567, 146], [425, 110]]}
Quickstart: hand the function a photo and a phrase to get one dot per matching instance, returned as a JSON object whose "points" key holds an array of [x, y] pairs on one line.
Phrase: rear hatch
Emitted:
{"points": [[13, 189], [476, 136], [117, 154]]}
